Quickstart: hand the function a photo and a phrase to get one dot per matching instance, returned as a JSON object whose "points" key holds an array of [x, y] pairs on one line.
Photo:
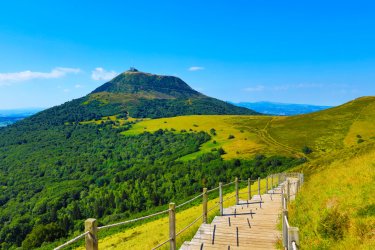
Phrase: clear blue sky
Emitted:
{"points": [[316, 52]]}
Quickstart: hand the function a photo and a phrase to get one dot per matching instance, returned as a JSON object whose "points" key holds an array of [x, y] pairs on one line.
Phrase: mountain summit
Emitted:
{"points": [[139, 95], [157, 86]]}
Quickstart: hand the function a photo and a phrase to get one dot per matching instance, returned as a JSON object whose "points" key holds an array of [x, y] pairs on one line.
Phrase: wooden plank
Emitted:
{"points": [[233, 227]]}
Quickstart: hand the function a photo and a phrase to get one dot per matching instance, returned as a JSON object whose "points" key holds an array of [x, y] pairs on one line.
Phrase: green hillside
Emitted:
{"points": [[103, 156], [323, 132], [336, 206]]}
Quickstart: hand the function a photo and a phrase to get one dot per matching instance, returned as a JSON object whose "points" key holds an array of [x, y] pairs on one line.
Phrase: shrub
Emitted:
{"points": [[306, 150], [360, 140], [212, 131], [333, 224], [221, 151], [231, 137]]}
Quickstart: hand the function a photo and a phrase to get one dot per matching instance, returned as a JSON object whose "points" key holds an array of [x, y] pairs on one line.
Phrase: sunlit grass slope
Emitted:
{"points": [[327, 130], [336, 208], [324, 132], [245, 143]]}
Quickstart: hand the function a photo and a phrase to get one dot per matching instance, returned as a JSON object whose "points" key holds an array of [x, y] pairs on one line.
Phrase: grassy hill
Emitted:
{"points": [[324, 132], [90, 158], [336, 207]]}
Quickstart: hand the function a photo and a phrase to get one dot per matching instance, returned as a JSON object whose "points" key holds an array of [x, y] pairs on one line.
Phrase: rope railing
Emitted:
{"points": [[134, 220], [188, 226], [162, 244], [224, 185], [91, 227], [72, 241], [212, 208], [290, 234], [229, 198], [214, 189], [187, 202]]}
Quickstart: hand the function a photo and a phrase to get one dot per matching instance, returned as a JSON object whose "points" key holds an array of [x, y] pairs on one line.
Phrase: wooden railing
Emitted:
{"points": [[91, 226], [290, 234]]}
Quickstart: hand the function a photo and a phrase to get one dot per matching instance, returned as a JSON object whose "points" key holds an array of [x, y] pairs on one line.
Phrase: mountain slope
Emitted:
{"points": [[324, 132], [139, 95]]}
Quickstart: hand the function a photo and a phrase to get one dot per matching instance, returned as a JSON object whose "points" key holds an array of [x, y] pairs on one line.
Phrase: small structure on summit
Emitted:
{"points": [[132, 69]]}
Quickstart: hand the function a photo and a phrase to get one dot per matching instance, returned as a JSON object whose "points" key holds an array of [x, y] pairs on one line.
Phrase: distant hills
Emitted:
{"points": [[10, 116], [275, 108]]}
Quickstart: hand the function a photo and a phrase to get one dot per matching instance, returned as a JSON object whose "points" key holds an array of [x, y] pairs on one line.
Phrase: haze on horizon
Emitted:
{"points": [[311, 52]]}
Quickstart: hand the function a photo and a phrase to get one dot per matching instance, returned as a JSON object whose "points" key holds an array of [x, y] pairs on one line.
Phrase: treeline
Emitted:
{"points": [[52, 178]]}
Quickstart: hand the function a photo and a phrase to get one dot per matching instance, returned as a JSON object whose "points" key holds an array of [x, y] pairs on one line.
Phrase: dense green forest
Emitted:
{"points": [[52, 179]]}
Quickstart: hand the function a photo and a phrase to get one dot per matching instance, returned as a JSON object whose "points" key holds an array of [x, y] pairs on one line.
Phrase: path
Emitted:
{"points": [[250, 225]]}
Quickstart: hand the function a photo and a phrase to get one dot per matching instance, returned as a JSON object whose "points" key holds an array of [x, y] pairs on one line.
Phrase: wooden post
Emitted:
{"points": [[278, 179], [267, 184], [221, 198], [249, 189], [285, 229], [236, 185], [205, 205], [91, 239], [172, 226], [293, 235], [288, 190], [298, 186], [259, 186]]}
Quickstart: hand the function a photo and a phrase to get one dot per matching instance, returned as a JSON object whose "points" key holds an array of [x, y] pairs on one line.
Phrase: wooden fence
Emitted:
{"points": [[290, 234]]}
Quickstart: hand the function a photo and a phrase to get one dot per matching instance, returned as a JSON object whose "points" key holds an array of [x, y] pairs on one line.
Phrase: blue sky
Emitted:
{"points": [[315, 52]]}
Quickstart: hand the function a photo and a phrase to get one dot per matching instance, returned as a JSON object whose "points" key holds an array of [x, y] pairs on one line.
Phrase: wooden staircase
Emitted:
{"points": [[250, 225]]}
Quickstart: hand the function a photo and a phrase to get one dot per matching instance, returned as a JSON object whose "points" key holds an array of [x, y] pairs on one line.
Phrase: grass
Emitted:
{"points": [[324, 132], [244, 145], [336, 208]]}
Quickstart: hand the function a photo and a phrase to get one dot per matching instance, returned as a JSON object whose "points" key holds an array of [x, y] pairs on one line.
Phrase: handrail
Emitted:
{"points": [[161, 244], [129, 221], [286, 221], [224, 185], [290, 234], [186, 202], [92, 226], [212, 208], [71, 241], [211, 190], [192, 223], [227, 199]]}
